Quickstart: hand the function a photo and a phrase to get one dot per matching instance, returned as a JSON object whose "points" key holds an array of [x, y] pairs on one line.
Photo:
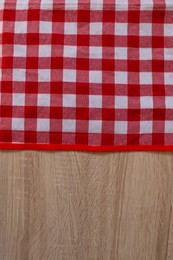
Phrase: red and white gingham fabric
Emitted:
{"points": [[86, 75]]}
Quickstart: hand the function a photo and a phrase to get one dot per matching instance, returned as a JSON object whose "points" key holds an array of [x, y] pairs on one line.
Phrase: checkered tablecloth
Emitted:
{"points": [[86, 75]]}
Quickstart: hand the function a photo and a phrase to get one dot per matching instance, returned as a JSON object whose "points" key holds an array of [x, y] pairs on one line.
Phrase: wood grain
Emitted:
{"points": [[86, 206]]}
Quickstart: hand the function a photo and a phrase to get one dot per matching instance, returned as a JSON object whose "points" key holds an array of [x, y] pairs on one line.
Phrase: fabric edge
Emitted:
{"points": [[86, 148]]}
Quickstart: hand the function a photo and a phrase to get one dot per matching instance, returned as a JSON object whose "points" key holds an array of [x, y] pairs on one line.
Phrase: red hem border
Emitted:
{"points": [[89, 148]]}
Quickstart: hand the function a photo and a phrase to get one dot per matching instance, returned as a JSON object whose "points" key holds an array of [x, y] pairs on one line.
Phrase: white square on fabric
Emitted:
{"points": [[69, 75], [17, 124], [146, 102], [146, 78], [147, 5], [96, 4], [120, 53], [69, 100], [69, 2], [124, 2], [19, 50], [69, 125], [43, 100], [145, 53], [19, 74], [146, 127], [73, 4], [169, 102], [1, 24], [45, 27], [168, 29], [47, 5], [96, 28], [1, 27], [70, 28], [168, 53], [168, 76], [121, 102], [44, 50], [43, 125], [168, 127], [120, 28], [2, 4], [121, 77], [70, 51], [95, 76], [18, 99], [22, 4], [95, 101], [120, 127], [145, 29], [95, 52], [20, 27], [44, 75], [95, 126]]}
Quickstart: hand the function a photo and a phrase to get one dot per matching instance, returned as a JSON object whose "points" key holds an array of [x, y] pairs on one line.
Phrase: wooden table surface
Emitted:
{"points": [[86, 206]]}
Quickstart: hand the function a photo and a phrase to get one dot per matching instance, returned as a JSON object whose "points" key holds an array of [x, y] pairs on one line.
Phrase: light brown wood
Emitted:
{"points": [[86, 206]]}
